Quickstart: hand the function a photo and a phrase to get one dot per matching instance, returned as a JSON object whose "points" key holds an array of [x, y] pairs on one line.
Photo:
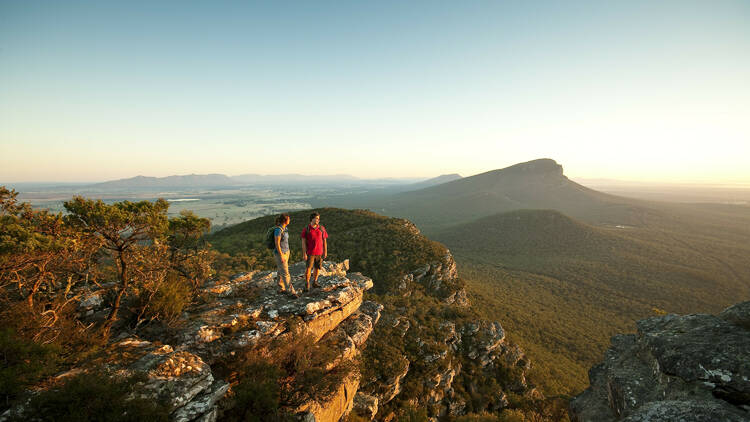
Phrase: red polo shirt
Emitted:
{"points": [[314, 239]]}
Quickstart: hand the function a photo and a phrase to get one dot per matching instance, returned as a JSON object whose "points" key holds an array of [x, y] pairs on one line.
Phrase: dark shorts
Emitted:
{"points": [[314, 261]]}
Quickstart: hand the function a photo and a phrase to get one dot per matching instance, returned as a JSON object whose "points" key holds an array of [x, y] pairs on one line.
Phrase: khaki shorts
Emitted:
{"points": [[314, 261]]}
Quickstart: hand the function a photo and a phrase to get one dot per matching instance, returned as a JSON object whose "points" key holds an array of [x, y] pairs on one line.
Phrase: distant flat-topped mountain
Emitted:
{"points": [[185, 181], [538, 184]]}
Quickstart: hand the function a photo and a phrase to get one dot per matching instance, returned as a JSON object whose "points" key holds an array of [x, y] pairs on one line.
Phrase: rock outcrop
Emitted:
{"points": [[683, 368], [240, 314], [247, 310], [439, 279], [429, 358]]}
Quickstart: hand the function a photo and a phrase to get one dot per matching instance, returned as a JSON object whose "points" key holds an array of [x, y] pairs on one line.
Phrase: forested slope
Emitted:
{"points": [[564, 287]]}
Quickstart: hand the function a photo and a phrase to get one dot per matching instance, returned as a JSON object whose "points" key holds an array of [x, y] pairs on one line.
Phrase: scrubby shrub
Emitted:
{"points": [[170, 299], [95, 396], [35, 344], [257, 395], [411, 414], [23, 363], [483, 417], [353, 417], [283, 375], [513, 415]]}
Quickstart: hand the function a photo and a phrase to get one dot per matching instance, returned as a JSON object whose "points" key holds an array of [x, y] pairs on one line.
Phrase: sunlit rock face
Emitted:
{"points": [[687, 368], [240, 314], [248, 310]]}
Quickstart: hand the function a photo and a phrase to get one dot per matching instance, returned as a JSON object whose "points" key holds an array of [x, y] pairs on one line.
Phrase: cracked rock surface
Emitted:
{"points": [[684, 368]]}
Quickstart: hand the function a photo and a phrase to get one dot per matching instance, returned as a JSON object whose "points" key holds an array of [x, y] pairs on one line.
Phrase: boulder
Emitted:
{"points": [[690, 368], [365, 406]]}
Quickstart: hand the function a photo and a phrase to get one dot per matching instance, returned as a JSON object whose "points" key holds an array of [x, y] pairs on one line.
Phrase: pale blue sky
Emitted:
{"points": [[638, 90]]}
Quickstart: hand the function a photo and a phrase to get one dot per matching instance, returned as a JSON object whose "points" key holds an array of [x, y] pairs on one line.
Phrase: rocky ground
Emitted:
{"points": [[236, 315], [676, 368]]}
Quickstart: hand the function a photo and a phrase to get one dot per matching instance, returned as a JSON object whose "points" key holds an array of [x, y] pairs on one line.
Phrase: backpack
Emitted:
{"points": [[270, 239]]}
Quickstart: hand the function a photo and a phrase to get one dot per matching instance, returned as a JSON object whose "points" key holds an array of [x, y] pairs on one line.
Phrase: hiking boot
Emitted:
{"points": [[315, 284]]}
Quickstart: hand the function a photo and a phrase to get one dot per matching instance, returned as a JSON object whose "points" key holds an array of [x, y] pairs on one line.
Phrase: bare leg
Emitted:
{"points": [[315, 277], [307, 277]]}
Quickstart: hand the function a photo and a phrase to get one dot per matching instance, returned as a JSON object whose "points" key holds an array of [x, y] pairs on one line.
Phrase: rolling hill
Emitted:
{"points": [[185, 181], [445, 178]]}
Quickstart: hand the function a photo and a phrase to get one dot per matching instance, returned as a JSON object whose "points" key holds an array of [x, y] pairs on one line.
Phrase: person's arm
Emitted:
{"points": [[277, 239], [304, 245], [325, 248]]}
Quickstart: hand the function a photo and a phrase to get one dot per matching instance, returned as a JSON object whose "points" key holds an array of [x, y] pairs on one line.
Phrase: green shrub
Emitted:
{"points": [[24, 363], [284, 374], [411, 414], [257, 395], [483, 417], [93, 397], [170, 299]]}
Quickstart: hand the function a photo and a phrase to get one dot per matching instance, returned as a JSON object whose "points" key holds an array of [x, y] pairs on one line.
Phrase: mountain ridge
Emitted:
{"points": [[536, 184]]}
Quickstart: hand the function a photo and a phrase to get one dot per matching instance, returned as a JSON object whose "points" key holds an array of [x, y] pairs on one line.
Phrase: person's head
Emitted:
{"points": [[283, 220], [314, 219]]}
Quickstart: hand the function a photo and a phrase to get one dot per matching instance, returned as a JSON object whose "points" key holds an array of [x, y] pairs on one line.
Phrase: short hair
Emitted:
{"points": [[282, 218], [313, 215]]}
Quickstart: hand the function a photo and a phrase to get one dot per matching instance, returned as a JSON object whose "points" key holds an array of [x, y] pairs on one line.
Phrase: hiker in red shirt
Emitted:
{"points": [[314, 248]]}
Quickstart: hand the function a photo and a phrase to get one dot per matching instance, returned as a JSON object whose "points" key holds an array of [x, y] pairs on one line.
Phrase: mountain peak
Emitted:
{"points": [[541, 166]]}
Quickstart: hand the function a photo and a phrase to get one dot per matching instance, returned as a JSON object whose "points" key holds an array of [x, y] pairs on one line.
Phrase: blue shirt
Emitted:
{"points": [[284, 244]]}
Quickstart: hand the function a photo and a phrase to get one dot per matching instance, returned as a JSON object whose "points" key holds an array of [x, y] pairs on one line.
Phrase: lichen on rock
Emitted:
{"points": [[690, 368]]}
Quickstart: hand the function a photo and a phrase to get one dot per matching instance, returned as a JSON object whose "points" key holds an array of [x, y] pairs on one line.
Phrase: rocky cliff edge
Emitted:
{"points": [[240, 314], [675, 368]]}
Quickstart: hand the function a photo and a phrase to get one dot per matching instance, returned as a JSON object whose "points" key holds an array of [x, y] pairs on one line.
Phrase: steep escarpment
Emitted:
{"points": [[687, 368], [429, 350]]}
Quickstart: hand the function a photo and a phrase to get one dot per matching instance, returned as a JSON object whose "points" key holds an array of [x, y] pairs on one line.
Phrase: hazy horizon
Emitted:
{"points": [[591, 182], [637, 91]]}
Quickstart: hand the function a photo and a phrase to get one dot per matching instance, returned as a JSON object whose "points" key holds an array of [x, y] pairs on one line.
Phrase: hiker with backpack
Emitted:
{"points": [[314, 249], [277, 238]]}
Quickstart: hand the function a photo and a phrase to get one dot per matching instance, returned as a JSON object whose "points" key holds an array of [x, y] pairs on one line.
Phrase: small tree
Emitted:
{"points": [[41, 259], [188, 252], [123, 229]]}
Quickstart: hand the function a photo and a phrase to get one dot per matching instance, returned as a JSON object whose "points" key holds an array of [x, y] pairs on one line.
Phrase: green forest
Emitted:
{"points": [[563, 287]]}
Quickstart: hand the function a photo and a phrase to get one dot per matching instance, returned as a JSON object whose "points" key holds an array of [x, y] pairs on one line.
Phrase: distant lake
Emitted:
{"points": [[183, 200]]}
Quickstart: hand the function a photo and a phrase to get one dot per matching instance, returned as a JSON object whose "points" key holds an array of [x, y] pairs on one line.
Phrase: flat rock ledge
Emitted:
{"points": [[676, 368], [244, 312], [248, 310]]}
